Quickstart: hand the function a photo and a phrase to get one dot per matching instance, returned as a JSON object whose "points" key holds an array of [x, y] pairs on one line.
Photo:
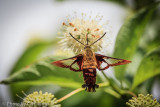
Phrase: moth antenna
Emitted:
{"points": [[24, 93], [76, 39], [98, 39], [19, 96], [87, 38]]}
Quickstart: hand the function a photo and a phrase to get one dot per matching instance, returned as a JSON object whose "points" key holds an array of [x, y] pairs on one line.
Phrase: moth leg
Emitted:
{"points": [[96, 86], [90, 88], [84, 85]]}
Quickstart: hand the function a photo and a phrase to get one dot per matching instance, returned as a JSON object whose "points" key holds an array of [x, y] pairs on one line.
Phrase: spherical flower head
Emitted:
{"points": [[84, 28], [39, 99], [143, 101]]}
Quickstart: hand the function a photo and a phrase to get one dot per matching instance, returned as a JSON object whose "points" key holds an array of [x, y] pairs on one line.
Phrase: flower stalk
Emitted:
{"points": [[70, 94], [117, 89], [79, 90]]}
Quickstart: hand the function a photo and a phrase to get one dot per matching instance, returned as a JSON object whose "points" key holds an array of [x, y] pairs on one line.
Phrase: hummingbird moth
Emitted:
{"points": [[88, 62]]}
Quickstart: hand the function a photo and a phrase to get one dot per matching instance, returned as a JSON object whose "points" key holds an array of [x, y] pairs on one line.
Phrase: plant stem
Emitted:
{"points": [[79, 90], [117, 89], [130, 93], [112, 92], [103, 84], [70, 94]]}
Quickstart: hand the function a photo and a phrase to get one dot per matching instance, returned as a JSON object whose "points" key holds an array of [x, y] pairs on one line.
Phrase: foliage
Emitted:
{"points": [[127, 43], [149, 67], [31, 72]]}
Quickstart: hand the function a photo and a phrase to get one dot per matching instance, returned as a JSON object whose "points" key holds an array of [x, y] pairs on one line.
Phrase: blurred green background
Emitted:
{"points": [[30, 39]]}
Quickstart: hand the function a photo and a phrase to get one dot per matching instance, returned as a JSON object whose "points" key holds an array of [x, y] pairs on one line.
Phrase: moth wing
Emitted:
{"points": [[73, 63], [109, 61]]}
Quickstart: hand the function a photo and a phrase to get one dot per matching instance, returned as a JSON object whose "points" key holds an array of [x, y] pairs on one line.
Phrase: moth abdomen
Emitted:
{"points": [[90, 80]]}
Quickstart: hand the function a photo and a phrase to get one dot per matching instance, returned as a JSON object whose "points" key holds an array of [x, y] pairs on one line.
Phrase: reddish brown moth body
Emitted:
{"points": [[88, 62]]}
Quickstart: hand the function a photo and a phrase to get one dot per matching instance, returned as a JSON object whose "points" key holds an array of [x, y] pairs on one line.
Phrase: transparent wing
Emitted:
{"points": [[73, 63], [109, 61]]}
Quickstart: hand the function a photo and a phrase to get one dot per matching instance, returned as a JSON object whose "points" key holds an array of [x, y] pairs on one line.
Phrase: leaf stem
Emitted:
{"points": [[117, 89], [130, 93], [70, 94], [112, 92], [79, 90]]}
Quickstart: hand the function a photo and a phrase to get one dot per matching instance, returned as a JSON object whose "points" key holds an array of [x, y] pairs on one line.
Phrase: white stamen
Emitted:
{"points": [[83, 25]]}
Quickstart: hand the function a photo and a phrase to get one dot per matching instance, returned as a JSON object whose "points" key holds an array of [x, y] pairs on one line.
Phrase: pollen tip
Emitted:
{"points": [[71, 24]]}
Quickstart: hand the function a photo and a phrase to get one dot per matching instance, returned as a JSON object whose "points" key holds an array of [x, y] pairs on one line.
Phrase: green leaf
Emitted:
{"points": [[122, 2], [31, 54], [129, 36], [142, 3], [150, 39], [42, 72], [149, 67], [154, 33]]}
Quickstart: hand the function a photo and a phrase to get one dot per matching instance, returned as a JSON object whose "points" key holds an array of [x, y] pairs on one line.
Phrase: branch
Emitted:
{"points": [[79, 90]]}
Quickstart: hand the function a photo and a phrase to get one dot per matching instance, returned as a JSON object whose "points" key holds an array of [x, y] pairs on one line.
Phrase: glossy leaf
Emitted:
{"points": [[142, 3], [42, 72], [31, 54], [129, 36], [149, 67]]}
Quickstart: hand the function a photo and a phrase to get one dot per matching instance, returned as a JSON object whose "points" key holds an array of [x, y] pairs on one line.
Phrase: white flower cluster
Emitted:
{"points": [[143, 101], [81, 28], [39, 99]]}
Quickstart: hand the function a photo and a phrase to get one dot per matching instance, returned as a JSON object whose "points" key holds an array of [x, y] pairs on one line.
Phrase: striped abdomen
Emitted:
{"points": [[90, 79]]}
